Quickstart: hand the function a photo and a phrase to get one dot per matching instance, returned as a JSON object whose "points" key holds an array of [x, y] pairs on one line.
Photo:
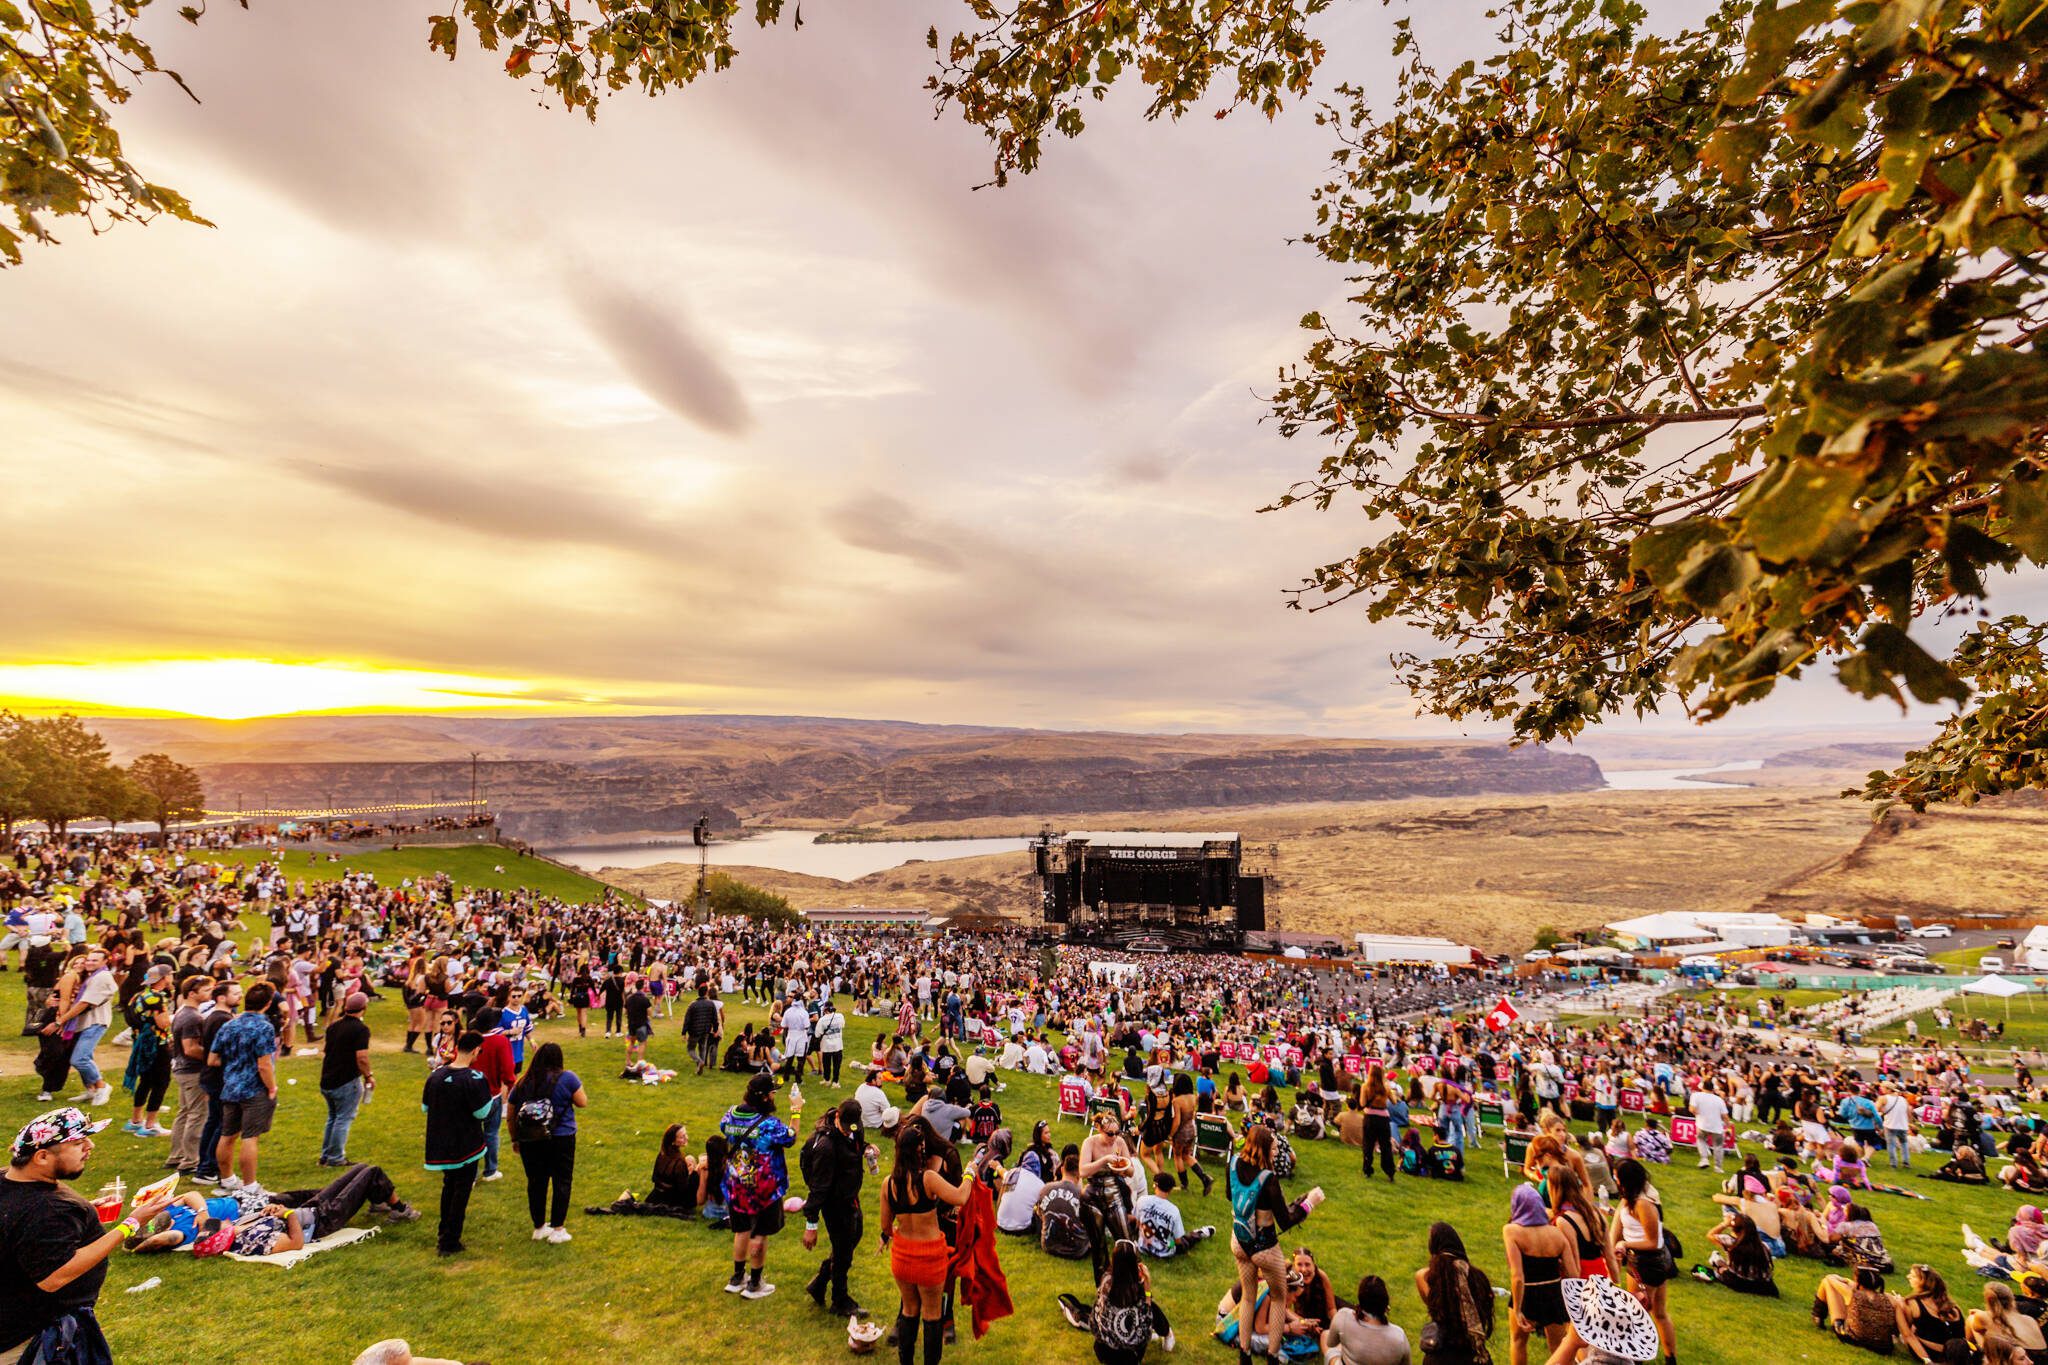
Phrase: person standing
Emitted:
{"points": [[1259, 1213], [919, 1258], [345, 1076], [53, 1247], [796, 1036], [700, 1026], [756, 1181], [88, 1015], [227, 997], [188, 1063], [455, 1100], [543, 1107], [1710, 1112], [1376, 1102], [1896, 1113], [494, 1059], [831, 1035], [245, 1050], [834, 1164]]}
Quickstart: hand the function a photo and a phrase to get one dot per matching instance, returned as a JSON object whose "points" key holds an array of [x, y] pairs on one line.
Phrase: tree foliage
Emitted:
{"points": [[1684, 362], [1678, 363], [727, 895], [169, 791], [63, 65]]}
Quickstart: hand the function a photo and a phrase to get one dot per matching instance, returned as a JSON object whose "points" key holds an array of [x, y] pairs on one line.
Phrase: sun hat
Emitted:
{"points": [[1609, 1318], [53, 1129], [219, 1236]]}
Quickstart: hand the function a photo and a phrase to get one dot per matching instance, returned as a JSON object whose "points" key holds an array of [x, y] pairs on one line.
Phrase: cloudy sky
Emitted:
{"points": [[741, 399]]}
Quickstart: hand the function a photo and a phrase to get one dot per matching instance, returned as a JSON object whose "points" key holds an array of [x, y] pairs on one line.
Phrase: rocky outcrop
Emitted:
{"points": [[565, 780]]}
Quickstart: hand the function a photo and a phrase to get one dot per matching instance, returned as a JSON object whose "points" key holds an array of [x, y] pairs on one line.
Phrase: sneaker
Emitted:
{"points": [[155, 1130], [494, 1175], [757, 1290], [132, 1128], [106, 1094], [540, 1234], [1703, 1165], [231, 1182], [1168, 1341], [1205, 1233], [1070, 1309], [559, 1236], [402, 1214], [735, 1284], [43, 1098]]}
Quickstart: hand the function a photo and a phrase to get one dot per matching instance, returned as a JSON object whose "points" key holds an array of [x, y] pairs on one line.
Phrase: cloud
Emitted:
{"points": [[888, 525], [658, 349]]}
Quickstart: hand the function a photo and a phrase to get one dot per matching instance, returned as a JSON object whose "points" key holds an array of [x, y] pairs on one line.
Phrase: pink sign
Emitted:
{"points": [[1684, 1131], [1571, 1090], [1930, 1113], [1227, 1050], [1294, 1056], [1353, 1063], [1073, 1097], [1634, 1101]]}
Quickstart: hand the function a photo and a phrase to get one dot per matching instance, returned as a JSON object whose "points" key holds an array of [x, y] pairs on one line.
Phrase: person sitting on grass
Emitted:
{"points": [[2001, 1316], [1966, 1167], [1161, 1232], [1741, 1260], [677, 1182], [1930, 1322], [1858, 1310]]}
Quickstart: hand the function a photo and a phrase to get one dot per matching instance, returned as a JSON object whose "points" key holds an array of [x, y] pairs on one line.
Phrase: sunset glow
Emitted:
{"points": [[237, 689]]}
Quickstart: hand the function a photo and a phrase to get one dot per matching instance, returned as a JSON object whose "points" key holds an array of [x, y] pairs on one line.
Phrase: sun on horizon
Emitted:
{"points": [[244, 689]]}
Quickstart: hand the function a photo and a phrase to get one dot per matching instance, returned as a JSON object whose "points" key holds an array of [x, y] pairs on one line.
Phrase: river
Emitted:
{"points": [[789, 850], [1669, 779]]}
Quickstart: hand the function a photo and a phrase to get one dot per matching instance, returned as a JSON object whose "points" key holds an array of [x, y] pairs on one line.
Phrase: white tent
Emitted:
{"points": [[2004, 987]]}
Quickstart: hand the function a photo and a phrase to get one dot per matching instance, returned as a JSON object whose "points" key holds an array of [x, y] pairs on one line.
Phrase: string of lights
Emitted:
{"points": [[339, 812]]}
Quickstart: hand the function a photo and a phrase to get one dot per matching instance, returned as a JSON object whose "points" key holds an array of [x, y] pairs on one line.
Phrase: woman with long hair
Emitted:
{"points": [[1373, 1102], [582, 986], [919, 1258], [1930, 1322], [1741, 1261], [414, 993], [543, 1107], [1125, 1319], [1574, 1213], [1459, 1299], [1541, 1256], [1186, 1158], [1638, 1234], [1259, 1213]]}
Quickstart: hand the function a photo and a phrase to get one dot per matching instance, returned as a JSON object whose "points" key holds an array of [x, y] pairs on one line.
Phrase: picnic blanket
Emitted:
{"points": [[340, 1238]]}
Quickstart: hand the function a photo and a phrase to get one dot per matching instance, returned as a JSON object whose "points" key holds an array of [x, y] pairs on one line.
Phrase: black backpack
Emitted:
{"points": [[534, 1120]]}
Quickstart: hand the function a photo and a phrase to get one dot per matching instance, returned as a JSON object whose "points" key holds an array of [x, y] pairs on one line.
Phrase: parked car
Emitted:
{"points": [[1991, 966], [1933, 931], [2008, 942], [1537, 955], [1921, 966]]}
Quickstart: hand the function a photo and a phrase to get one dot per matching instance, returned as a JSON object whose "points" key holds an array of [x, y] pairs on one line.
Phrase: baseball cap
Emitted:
{"points": [[356, 1001], [53, 1129]]}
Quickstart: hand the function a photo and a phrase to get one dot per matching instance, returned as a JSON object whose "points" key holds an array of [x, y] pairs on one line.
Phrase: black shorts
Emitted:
{"points": [[766, 1223]]}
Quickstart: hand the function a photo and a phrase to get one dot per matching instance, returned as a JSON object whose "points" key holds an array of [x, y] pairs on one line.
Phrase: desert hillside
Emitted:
{"points": [[1483, 870], [1990, 859], [567, 780]]}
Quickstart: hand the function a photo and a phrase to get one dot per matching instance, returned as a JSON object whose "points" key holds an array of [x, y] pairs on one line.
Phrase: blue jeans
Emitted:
{"points": [[209, 1139], [342, 1103], [1895, 1148], [81, 1054], [491, 1129]]}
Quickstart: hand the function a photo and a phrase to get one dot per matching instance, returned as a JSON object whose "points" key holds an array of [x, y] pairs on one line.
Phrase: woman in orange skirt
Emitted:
{"points": [[918, 1254]]}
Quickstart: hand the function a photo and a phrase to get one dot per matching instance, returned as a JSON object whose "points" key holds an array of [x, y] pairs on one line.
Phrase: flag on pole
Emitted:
{"points": [[1501, 1015]]}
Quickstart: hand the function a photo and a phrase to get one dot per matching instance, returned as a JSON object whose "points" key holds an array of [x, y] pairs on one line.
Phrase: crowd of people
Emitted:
{"points": [[1186, 1071]]}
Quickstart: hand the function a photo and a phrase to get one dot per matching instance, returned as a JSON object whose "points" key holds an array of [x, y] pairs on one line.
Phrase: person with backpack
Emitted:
{"points": [[756, 1180], [830, 1031], [543, 1107], [700, 1026], [455, 1099], [834, 1162], [1259, 1213], [985, 1117], [1067, 1227]]}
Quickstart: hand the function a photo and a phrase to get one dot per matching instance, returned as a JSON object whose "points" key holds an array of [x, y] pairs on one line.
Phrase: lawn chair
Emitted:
{"points": [[1212, 1137], [1073, 1100], [1514, 1150], [1106, 1104]]}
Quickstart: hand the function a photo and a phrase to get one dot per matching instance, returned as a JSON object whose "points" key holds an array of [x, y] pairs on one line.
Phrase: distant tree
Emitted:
{"points": [[66, 765], [170, 791], [14, 772], [730, 896], [115, 797], [1547, 936]]}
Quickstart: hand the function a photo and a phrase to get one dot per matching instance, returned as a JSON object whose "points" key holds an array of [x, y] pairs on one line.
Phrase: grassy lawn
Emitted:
{"points": [[2025, 1026], [648, 1290], [470, 866], [1749, 997]]}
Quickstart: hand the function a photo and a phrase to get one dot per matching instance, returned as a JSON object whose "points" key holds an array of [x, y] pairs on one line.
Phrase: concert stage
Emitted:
{"points": [[1142, 890]]}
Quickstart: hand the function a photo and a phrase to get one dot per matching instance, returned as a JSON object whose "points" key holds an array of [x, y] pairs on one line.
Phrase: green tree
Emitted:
{"points": [[14, 772], [1547, 936], [169, 790], [66, 765], [1682, 362], [729, 896]]}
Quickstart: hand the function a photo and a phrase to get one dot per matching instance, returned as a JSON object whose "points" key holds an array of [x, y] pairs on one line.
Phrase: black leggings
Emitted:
{"points": [[615, 1018], [1379, 1138], [151, 1085], [553, 1160], [828, 1065]]}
